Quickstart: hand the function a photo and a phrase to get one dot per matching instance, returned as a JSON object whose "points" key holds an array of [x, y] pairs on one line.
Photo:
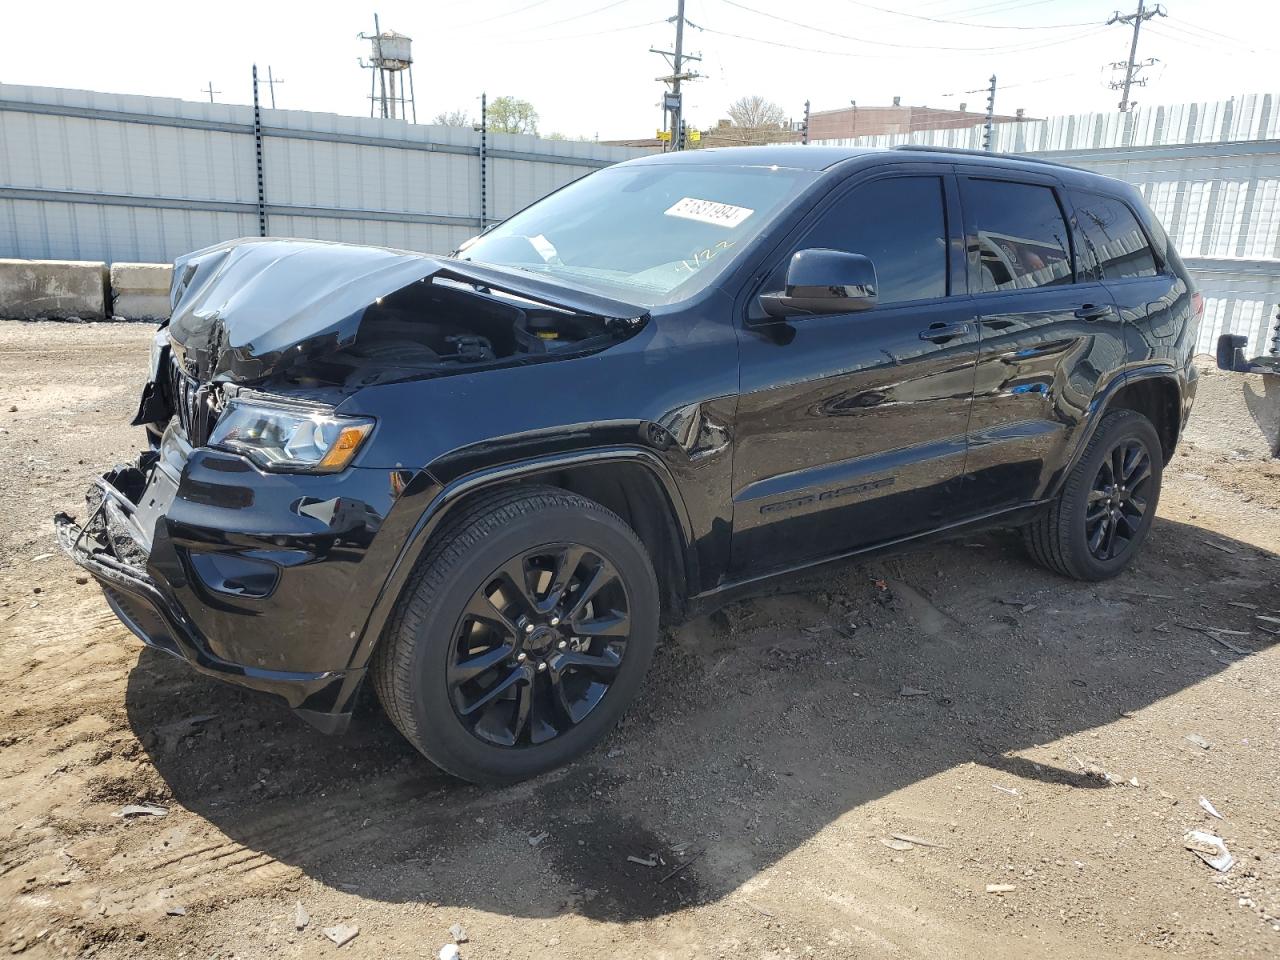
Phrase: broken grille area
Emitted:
{"points": [[191, 403]]}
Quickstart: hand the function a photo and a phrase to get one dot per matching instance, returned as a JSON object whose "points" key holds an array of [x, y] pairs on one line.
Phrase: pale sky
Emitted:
{"points": [[585, 64]]}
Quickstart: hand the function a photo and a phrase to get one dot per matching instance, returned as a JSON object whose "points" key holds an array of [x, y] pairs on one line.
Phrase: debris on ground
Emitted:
{"points": [[1024, 606], [300, 917], [342, 934], [679, 868], [177, 910], [918, 841], [1011, 791], [131, 810], [1001, 887], [458, 932], [450, 951], [538, 838], [1198, 740], [1209, 808], [643, 862], [1210, 849], [912, 692], [895, 844]]}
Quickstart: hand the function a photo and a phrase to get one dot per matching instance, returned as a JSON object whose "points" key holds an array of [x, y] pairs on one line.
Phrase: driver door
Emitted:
{"points": [[851, 428]]}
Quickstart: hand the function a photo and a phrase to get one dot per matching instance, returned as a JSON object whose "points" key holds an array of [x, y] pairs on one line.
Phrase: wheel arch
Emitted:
{"points": [[1157, 396], [625, 480]]}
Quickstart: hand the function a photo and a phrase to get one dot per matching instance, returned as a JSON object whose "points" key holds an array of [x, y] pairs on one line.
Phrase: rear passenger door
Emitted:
{"points": [[1050, 336], [1115, 249]]}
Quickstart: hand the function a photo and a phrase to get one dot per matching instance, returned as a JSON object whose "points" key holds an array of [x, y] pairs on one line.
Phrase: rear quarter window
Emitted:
{"points": [[1112, 244]]}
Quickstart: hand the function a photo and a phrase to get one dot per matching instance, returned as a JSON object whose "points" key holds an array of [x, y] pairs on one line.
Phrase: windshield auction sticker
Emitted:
{"points": [[708, 211]]}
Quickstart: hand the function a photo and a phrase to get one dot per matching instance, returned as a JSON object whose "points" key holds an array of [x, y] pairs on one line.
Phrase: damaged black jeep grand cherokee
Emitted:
{"points": [[481, 482]]}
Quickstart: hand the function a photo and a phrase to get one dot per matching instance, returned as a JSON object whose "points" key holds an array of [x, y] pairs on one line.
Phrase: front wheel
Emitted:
{"points": [[1098, 522], [524, 634]]}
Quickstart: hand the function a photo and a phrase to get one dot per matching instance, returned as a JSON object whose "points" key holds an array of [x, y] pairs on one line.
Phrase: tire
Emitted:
{"points": [[422, 670], [1060, 538]]}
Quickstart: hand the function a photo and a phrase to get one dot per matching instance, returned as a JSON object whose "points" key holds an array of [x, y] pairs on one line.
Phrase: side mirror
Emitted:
{"points": [[823, 281]]}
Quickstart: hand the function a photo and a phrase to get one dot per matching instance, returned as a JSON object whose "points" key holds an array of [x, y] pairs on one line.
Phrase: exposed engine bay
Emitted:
{"points": [[290, 318], [439, 326]]}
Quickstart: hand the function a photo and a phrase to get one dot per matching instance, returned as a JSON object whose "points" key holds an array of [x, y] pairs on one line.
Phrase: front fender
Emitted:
{"points": [[430, 503]]}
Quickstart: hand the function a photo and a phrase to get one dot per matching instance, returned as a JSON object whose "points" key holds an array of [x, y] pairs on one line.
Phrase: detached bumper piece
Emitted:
{"points": [[113, 548]]}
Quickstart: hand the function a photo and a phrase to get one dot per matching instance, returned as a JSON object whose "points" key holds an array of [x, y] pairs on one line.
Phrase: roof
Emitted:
{"points": [[793, 155], [820, 158]]}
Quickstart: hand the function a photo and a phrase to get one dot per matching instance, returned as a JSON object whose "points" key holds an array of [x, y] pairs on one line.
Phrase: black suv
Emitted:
{"points": [[483, 481]]}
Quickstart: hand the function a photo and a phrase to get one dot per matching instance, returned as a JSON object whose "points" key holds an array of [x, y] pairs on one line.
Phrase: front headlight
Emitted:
{"points": [[290, 437]]}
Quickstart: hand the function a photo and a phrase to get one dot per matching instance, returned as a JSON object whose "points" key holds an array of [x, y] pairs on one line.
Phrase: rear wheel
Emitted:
{"points": [[523, 635], [1106, 507]]}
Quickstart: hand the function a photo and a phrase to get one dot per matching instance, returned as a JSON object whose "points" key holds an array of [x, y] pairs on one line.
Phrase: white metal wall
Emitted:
{"points": [[93, 176], [1210, 171]]}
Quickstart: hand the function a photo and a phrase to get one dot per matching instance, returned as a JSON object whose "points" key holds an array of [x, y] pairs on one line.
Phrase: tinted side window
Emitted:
{"points": [[1018, 239], [900, 224], [1112, 244]]}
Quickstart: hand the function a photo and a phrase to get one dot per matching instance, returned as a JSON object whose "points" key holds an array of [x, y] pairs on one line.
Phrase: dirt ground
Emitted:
{"points": [[1030, 731]]}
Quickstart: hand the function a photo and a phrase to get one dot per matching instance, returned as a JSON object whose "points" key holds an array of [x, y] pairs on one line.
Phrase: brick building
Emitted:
{"points": [[856, 121]]}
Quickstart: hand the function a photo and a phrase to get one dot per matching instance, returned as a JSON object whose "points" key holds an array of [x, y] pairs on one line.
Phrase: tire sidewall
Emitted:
{"points": [[1127, 426], [444, 738]]}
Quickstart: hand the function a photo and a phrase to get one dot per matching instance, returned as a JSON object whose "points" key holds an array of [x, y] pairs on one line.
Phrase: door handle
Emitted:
{"points": [[941, 332], [1092, 311]]}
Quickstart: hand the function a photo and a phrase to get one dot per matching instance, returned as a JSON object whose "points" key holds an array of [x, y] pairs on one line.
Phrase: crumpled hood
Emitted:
{"points": [[248, 308]]}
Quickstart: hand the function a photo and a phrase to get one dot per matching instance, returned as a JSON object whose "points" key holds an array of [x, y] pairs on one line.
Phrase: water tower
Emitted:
{"points": [[390, 56]]}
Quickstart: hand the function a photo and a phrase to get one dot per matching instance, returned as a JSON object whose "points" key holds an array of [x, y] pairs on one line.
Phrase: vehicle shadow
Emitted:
{"points": [[760, 726]]}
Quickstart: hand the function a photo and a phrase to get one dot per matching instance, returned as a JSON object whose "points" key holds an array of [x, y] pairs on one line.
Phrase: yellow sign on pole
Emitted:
{"points": [[664, 134], [695, 136]]}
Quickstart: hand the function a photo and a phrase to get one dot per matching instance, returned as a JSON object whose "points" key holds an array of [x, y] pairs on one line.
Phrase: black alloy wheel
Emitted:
{"points": [[1095, 526], [1118, 499], [538, 645], [523, 634]]}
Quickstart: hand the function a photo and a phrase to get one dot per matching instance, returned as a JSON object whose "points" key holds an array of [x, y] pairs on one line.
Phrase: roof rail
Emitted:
{"points": [[964, 151]]}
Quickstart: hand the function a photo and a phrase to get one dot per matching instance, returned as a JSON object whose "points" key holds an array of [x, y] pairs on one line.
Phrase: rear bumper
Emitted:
{"points": [[141, 581]]}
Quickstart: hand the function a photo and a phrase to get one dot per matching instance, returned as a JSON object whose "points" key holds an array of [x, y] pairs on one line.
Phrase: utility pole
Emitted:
{"points": [[672, 105], [805, 138], [271, 85], [1132, 66], [988, 128], [210, 91]]}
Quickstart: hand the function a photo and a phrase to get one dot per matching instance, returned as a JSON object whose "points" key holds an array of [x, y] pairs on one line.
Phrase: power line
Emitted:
{"points": [[894, 56], [1010, 48], [526, 38], [585, 13], [1200, 39], [963, 23], [509, 13]]}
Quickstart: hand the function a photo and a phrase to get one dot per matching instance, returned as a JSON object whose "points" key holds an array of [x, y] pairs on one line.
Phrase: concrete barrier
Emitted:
{"points": [[140, 291], [57, 289]]}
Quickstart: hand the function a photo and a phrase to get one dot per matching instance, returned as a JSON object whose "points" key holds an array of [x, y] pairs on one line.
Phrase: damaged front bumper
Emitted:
{"points": [[170, 543]]}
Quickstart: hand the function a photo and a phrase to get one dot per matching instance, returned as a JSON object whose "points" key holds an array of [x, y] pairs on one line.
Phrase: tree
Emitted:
{"points": [[510, 115], [758, 120], [452, 118]]}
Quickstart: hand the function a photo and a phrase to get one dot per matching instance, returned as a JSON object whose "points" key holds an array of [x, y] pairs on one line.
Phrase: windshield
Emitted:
{"points": [[646, 234]]}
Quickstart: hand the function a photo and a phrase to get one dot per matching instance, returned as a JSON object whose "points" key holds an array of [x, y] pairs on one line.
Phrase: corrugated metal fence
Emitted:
{"points": [[1210, 171], [93, 176]]}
